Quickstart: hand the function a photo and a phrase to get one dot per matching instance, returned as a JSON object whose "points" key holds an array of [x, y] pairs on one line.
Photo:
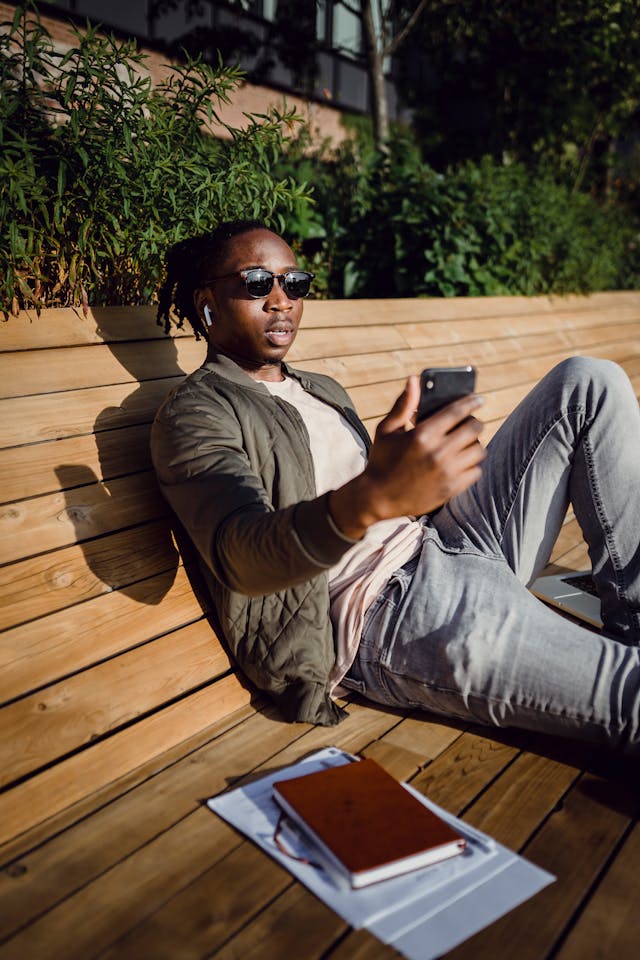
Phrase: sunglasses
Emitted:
{"points": [[259, 282]]}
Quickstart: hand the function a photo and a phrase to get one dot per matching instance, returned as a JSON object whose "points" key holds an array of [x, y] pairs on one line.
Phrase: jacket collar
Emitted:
{"points": [[226, 367]]}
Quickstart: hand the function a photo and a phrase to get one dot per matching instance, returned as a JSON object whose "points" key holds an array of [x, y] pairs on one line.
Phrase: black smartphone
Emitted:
{"points": [[440, 386]]}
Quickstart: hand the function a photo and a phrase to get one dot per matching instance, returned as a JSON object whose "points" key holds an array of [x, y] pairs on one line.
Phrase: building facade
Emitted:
{"points": [[311, 49]]}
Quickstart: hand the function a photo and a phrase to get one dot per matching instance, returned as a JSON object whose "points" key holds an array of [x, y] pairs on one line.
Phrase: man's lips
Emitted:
{"points": [[280, 334]]}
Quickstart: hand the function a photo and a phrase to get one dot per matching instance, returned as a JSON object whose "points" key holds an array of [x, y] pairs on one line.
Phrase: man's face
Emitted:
{"points": [[255, 333]]}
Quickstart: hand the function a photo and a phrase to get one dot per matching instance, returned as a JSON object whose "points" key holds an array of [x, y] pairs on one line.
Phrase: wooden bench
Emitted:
{"points": [[121, 712]]}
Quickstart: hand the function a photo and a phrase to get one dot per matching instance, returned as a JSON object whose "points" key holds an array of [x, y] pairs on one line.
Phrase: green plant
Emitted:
{"points": [[100, 171], [395, 227]]}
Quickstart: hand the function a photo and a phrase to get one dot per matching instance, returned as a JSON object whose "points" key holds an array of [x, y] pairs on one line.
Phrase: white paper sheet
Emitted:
{"points": [[423, 913]]}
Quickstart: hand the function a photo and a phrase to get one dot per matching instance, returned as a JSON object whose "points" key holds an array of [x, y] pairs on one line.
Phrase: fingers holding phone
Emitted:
{"points": [[447, 402], [441, 386], [413, 472]]}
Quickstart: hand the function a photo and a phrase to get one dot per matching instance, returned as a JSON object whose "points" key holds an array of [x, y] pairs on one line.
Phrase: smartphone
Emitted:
{"points": [[440, 386]]}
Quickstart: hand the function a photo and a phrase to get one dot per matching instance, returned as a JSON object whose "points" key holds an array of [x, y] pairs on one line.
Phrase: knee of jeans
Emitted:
{"points": [[606, 377]]}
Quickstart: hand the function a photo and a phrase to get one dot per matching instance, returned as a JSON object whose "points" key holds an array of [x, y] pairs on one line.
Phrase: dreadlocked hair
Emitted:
{"points": [[189, 264]]}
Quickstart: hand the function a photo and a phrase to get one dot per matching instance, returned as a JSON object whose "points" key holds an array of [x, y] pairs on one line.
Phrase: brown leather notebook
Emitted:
{"points": [[365, 823]]}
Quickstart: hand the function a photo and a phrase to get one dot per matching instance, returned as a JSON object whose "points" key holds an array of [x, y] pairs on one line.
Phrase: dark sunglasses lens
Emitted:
{"points": [[297, 283], [259, 282]]}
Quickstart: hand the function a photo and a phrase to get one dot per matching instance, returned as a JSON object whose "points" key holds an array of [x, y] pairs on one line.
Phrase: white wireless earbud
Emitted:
{"points": [[207, 315]]}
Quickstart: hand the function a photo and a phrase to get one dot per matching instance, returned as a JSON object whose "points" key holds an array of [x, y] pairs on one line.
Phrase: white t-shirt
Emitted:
{"points": [[338, 455]]}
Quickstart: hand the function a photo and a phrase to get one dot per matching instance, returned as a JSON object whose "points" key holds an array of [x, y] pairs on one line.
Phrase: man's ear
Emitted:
{"points": [[203, 307]]}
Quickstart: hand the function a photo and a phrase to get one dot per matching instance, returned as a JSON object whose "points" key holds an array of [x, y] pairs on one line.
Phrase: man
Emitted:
{"points": [[399, 570]]}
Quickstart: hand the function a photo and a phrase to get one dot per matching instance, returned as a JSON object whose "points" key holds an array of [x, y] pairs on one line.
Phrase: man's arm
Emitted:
{"points": [[253, 549]]}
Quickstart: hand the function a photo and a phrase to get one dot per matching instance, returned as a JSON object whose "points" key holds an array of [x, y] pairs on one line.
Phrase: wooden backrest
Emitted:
{"points": [[106, 657]]}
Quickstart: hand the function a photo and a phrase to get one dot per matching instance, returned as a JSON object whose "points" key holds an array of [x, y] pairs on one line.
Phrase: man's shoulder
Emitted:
{"points": [[203, 388], [213, 381]]}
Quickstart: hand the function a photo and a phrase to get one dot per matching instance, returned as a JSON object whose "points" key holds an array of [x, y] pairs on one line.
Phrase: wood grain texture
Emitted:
{"points": [[61, 368], [608, 926], [42, 651], [118, 700], [172, 838], [67, 326], [41, 524], [36, 587], [89, 705], [55, 416], [574, 844], [86, 772], [36, 469]]}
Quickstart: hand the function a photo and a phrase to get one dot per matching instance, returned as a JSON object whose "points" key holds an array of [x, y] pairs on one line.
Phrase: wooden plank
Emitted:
{"points": [[241, 886], [39, 586], [526, 793], [480, 764], [158, 803], [361, 945], [75, 368], [281, 926], [575, 558], [366, 368], [618, 333], [36, 795], [63, 326], [477, 759], [491, 328], [174, 839], [58, 415], [339, 342], [428, 739], [38, 418], [521, 799], [91, 704], [570, 536], [40, 652], [55, 520], [412, 744], [609, 927], [67, 326], [503, 385], [574, 845], [222, 895], [44, 868], [40, 468], [458, 774], [185, 918], [340, 313], [73, 778], [500, 374]]}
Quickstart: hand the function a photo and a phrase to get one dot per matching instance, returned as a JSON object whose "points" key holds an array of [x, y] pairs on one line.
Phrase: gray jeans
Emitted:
{"points": [[456, 631]]}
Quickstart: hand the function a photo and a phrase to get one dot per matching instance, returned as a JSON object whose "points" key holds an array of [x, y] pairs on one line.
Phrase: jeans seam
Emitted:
{"points": [[537, 442], [607, 530]]}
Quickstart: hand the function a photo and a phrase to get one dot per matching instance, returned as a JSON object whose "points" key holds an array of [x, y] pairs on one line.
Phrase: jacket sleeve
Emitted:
{"points": [[207, 478]]}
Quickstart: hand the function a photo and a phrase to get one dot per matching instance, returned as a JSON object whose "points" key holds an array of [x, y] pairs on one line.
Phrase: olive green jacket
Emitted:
{"points": [[234, 463]]}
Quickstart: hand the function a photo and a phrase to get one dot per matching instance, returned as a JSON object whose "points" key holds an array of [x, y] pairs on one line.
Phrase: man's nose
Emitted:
{"points": [[278, 298]]}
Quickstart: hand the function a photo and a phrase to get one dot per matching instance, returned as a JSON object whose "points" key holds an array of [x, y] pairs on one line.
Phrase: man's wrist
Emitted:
{"points": [[350, 508]]}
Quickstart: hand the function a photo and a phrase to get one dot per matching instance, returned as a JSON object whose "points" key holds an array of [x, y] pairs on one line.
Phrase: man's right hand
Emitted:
{"points": [[412, 469]]}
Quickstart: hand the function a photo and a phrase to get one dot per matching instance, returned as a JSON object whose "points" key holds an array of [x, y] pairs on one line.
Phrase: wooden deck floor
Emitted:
{"points": [[151, 872]]}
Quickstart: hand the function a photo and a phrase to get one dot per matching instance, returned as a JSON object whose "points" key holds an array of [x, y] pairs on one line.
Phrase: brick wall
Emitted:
{"points": [[248, 97]]}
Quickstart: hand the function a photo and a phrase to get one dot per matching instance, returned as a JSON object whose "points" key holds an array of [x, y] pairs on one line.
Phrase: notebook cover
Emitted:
{"points": [[364, 815]]}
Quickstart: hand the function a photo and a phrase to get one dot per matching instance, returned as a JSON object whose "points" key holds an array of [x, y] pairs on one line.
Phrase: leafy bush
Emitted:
{"points": [[395, 227], [100, 171]]}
